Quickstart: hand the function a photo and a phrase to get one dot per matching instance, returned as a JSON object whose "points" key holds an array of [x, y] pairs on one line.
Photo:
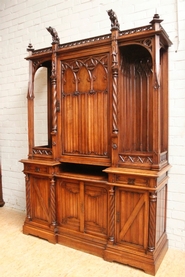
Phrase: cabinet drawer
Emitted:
{"points": [[132, 180], [36, 168]]}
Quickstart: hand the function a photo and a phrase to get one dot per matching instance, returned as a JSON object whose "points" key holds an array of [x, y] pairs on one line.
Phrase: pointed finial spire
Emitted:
{"points": [[156, 21]]}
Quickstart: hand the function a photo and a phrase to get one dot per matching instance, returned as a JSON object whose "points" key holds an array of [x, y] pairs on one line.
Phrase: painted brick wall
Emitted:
{"points": [[24, 21]]}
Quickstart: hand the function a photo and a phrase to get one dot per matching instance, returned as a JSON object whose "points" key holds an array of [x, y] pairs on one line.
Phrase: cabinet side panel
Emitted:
{"points": [[161, 213]]}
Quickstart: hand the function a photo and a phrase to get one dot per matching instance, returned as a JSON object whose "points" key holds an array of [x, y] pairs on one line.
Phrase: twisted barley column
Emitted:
{"points": [[28, 205], [53, 202], [115, 99], [115, 80], [111, 214], [152, 222], [54, 95]]}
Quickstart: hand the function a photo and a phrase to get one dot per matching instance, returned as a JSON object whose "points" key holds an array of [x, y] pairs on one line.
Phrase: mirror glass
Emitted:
{"points": [[40, 107]]}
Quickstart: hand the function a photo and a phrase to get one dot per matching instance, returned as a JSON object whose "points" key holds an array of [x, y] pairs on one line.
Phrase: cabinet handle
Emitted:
{"points": [[131, 181], [118, 217], [37, 169]]}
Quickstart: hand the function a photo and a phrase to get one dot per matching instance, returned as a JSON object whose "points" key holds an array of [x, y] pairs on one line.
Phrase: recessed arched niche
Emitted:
{"points": [[40, 107], [136, 112]]}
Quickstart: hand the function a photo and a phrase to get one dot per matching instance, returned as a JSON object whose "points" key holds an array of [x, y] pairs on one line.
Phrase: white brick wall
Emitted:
{"points": [[24, 21]]}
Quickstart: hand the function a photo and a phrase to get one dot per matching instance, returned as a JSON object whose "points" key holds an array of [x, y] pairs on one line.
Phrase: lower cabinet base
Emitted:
{"points": [[39, 231], [148, 261], [95, 248]]}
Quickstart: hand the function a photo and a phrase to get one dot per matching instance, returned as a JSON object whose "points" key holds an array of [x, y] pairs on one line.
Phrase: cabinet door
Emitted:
{"points": [[85, 109], [95, 209], [40, 199], [132, 217], [82, 207], [69, 206]]}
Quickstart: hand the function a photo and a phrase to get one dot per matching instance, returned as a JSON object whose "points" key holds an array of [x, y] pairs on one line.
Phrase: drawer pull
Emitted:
{"points": [[131, 181], [37, 169]]}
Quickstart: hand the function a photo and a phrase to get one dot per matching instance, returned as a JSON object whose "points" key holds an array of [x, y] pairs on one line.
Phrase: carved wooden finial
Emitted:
{"points": [[30, 47], [114, 21], [156, 19], [54, 34]]}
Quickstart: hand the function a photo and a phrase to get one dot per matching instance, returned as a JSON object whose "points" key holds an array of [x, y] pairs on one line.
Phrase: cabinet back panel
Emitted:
{"points": [[136, 99]]}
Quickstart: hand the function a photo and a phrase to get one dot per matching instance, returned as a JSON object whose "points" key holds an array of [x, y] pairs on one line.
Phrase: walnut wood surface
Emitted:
{"points": [[100, 184]]}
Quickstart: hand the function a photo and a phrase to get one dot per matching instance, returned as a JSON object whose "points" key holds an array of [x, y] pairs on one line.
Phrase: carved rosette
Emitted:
{"points": [[152, 221]]}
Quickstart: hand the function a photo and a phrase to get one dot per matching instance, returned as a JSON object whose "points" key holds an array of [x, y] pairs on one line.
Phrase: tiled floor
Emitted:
{"points": [[28, 256]]}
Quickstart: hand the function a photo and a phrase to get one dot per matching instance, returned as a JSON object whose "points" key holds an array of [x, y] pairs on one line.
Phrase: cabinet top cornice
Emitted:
{"points": [[154, 28]]}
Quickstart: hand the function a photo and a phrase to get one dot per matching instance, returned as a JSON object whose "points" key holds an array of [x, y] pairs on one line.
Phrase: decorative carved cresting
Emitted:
{"points": [[84, 41], [42, 51], [136, 30], [84, 88], [54, 34], [152, 221], [28, 206]]}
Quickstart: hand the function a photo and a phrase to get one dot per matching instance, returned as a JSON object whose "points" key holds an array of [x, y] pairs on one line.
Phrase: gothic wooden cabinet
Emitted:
{"points": [[97, 167]]}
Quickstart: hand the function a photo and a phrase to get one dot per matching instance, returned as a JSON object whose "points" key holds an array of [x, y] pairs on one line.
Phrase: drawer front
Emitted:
{"points": [[132, 180], [36, 168]]}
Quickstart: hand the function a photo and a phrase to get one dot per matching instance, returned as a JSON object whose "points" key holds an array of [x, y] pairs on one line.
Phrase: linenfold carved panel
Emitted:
{"points": [[95, 206], [69, 212], [85, 105], [136, 110]]}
